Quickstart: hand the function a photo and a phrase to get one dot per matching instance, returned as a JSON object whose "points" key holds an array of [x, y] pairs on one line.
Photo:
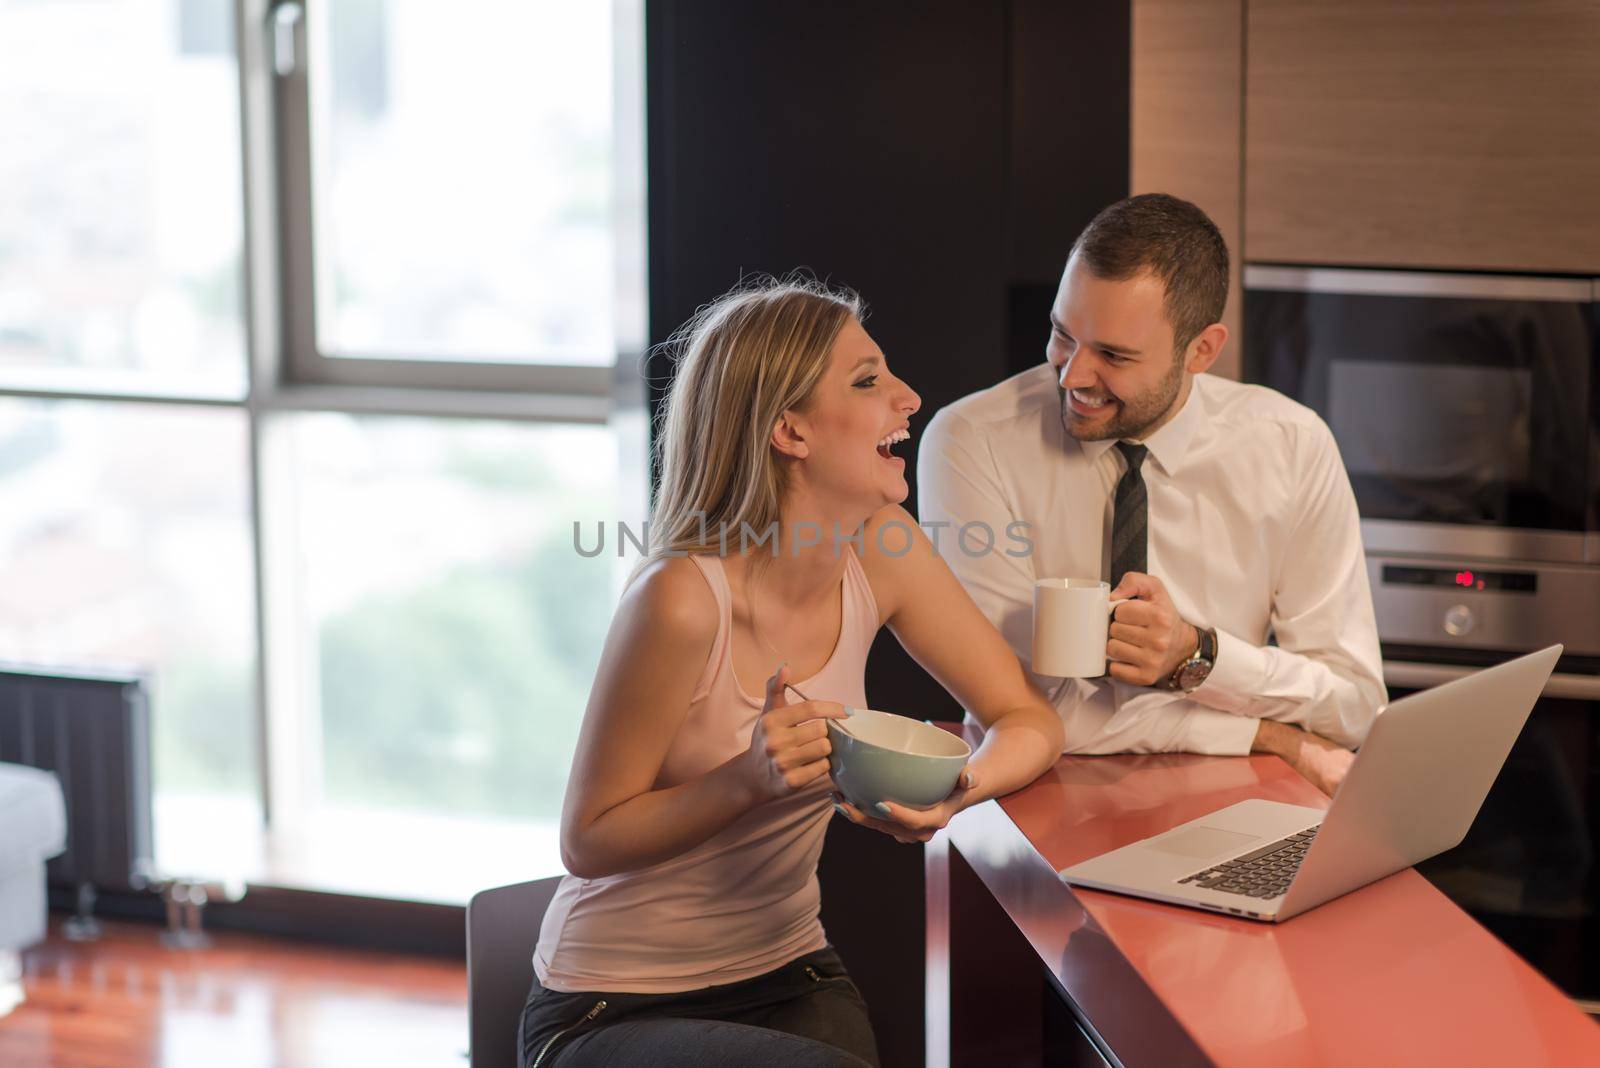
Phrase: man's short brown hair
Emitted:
{"points": [[1174, 240]]}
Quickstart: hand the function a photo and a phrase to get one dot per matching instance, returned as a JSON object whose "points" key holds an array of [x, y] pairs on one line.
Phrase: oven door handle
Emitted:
{"points": [[1412, 675]]}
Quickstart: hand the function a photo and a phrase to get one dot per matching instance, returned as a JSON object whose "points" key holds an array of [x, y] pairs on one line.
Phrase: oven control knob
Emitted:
{"points": [[1458, 621]]}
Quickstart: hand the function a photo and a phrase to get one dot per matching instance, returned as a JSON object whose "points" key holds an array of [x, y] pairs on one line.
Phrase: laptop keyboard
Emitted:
{"points": [[1264, 873]]}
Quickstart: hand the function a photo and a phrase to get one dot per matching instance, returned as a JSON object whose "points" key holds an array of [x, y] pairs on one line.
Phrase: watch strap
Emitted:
{"points": [[1205, 652]]}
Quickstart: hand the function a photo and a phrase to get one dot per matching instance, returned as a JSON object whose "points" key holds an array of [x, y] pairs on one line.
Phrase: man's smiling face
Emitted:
{"points": [[1112, 348]]}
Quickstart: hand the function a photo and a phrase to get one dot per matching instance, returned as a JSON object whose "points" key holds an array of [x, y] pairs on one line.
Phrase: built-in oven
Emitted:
{"points": [[1467, 411]]}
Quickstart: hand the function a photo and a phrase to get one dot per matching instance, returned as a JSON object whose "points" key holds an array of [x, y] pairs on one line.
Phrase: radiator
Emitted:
{"points": [[94, 733]]}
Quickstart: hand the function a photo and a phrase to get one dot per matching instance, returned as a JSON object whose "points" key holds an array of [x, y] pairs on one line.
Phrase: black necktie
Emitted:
{"points": [[1128, 518]]}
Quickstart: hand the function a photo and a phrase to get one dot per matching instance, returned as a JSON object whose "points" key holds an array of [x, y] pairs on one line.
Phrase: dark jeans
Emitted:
{"points": [[805, 1014]]}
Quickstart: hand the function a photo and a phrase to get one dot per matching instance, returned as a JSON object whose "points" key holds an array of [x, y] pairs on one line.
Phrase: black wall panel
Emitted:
{"points": [[937, 156]]}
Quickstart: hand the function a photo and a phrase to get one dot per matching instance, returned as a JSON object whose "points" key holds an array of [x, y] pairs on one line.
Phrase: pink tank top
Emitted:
{"points": [[744, 901]]}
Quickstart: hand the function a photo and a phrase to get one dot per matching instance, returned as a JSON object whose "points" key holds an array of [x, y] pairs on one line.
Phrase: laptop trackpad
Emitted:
{"points": [[1202, 842]]}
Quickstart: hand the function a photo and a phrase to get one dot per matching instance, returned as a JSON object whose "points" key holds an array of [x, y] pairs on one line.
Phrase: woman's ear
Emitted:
{"points": [[788, 437]]}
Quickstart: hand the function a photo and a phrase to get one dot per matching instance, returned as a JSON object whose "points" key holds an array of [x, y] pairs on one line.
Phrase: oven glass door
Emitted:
{"points": [[1463, 400]]}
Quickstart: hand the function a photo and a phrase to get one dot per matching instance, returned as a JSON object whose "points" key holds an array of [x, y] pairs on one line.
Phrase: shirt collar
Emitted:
{"points": [[1094, 450], [1169, 444]]}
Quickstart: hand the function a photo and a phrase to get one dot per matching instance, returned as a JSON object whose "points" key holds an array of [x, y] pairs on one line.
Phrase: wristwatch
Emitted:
{"points": [[1193, 671]]}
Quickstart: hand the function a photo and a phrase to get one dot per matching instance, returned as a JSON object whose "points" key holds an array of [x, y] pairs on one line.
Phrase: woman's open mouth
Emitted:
{"points": [[889, 441]]}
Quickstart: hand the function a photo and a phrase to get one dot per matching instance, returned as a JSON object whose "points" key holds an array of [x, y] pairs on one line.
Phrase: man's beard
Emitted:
{"points": [[1134, 416]]}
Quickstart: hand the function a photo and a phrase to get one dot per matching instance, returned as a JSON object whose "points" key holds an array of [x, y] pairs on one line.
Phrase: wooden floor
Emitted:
{"points": [[248, 1002]]}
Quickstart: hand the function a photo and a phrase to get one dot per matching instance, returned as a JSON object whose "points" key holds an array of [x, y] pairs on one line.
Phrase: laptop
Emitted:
{"points": [[1412, 792]]}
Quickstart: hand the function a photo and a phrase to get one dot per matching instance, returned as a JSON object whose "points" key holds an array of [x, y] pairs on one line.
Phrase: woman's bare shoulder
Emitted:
{"points": [[671, 597], [891, 549]]}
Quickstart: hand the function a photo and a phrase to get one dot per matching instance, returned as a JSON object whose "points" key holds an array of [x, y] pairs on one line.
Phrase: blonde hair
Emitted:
{"points": [[741, 361]]}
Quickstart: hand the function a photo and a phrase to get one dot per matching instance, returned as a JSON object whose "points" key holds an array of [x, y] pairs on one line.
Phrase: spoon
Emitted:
{"points": [[838, 723]]}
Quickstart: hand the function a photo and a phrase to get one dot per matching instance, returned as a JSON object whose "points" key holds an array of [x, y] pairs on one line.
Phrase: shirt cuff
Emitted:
{"points": [[1236, 675], [1205, 730]]}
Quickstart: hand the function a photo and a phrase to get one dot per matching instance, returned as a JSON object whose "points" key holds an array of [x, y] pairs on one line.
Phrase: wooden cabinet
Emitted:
{"points": [[1433, 133], [1186, 88]]}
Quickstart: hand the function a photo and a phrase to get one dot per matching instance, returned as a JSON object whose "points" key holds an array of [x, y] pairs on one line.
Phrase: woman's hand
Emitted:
{"points": [[789, 746], [909, 825]]}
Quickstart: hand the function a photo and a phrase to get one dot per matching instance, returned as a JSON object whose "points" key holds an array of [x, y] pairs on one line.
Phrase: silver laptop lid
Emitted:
{"points": [[1422, 775]]}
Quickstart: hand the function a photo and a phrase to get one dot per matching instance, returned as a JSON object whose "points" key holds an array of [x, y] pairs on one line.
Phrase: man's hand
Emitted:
{"points": [[1323, 763], [1147, 639]]}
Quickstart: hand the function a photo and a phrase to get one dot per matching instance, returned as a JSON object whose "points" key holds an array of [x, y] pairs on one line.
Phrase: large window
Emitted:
{"points": [[485, 130], [121, 232], [319, 326], [125, 547]]}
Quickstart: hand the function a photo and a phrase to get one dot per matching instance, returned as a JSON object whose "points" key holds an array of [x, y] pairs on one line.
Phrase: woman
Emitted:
{"points": [[687, 931]]}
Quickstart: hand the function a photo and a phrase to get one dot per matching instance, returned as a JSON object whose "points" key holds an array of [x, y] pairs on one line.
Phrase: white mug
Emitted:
{"points": [[1070, 619]]}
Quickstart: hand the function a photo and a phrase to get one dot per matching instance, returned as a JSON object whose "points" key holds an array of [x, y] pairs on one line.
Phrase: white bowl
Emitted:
{"points": [[878, 756]]}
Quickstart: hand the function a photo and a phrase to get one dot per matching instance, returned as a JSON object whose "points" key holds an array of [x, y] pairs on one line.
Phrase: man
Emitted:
{"points": [[1224, 509]]}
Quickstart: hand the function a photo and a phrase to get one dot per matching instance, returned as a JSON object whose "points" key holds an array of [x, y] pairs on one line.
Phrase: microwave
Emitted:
{"points": [[1466, 408]]}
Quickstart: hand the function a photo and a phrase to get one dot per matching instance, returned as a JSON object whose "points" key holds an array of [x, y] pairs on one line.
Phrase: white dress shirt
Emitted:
{"points": [[1253, 530]]}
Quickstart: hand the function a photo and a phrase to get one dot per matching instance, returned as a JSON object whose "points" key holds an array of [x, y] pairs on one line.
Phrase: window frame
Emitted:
{"points": [[288, 374], [304, 362]]}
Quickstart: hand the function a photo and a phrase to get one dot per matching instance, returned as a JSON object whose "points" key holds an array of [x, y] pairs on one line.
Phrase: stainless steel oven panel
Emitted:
{"points": [[1565, 609], [1482, 543], [1419, 284], [1416, 675]]}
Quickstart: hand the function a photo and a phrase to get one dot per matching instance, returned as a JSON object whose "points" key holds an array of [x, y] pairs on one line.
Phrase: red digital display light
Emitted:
{"points": [[1464, 578]]}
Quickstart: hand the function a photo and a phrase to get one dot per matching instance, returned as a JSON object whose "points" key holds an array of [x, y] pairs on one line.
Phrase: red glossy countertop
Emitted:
{"points": [[1393, 973]]}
